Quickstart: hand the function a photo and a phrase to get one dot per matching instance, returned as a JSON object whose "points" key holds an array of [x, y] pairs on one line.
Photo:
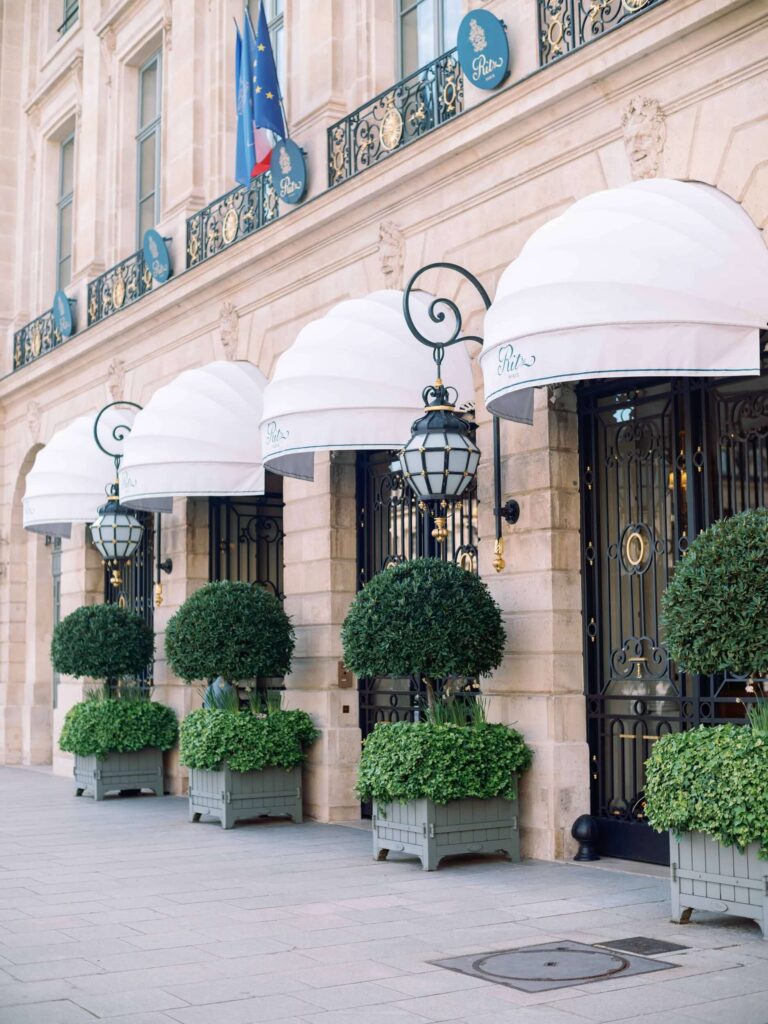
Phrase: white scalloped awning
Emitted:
{"points": [[197, 436], [352, 380], [70, 476], [658, 278]]}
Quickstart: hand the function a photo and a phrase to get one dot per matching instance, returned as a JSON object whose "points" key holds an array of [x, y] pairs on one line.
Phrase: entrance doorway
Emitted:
{"points": [[392, 527], [659, 463]]}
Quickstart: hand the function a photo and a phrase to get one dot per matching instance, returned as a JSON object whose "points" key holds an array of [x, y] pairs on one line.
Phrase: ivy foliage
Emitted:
{"points": [[230, 629], [715, 609], [711, 779], [102, 641], [405, 761], [424, 616], [102, 724], [246, 742]]}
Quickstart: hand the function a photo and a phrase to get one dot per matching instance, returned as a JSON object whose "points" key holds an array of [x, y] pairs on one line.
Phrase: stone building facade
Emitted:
{"points": [[676, 89]]}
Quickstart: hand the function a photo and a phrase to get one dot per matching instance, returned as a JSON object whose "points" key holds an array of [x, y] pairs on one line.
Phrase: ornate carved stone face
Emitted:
{"points": [[391, 253], [645, 132]]}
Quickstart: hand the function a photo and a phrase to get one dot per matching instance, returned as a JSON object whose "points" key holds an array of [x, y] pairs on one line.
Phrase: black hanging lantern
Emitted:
{"points": [[440, 460], [116, 532]]}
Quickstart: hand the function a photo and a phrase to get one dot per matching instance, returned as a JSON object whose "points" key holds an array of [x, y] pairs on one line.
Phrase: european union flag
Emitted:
{"points": [[265, 89], [245, 151]]}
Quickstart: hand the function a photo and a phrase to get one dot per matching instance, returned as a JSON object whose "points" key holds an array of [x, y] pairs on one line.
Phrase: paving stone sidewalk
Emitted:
{"points": [[124, 913]]}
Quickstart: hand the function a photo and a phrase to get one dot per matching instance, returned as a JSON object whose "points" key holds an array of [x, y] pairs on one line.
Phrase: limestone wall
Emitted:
{"points": [[471, 192]]}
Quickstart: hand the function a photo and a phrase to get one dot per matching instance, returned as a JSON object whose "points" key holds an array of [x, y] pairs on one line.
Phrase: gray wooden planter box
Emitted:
{"points": [[138, 769], [708, 876], [236, 796], [433, 831]]}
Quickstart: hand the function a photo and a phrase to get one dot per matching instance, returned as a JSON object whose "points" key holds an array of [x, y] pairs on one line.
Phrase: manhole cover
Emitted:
{"points": [[550, 965], [643, 946], [560, 964]]}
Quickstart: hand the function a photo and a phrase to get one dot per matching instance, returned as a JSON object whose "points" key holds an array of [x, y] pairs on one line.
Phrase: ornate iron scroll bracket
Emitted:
{"points": [[439, 309], [116, 436]]}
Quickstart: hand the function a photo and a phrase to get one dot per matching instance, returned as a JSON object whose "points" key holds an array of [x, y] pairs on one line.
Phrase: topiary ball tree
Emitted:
{"points": [[102, 641], [424, 616], [230, 629], [715, 609]]}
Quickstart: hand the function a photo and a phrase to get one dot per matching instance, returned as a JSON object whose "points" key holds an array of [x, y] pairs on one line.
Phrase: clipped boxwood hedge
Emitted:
{"points": [[230, 629], [715, 609], [211, 737], [424, 616], [711, 779], [405, 761], [102, 641], [102, 724]]}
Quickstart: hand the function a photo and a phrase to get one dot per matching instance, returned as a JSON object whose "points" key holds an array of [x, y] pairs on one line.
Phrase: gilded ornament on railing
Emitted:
{"points": [[36, 342], [634, 5], [146, 278], [449, 93], [391, 125], [193, 247], [93, 306], [229, 225], [417, 116], [338, 152], [118, 291], [556, 34], [270, 204]]}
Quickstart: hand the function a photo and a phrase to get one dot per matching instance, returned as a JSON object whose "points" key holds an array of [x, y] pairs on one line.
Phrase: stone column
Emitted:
{"points": [[539, 687], [320, 574]]}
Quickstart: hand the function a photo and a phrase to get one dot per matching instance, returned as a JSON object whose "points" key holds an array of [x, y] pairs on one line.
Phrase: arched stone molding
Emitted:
{"points": [[25, 690]]}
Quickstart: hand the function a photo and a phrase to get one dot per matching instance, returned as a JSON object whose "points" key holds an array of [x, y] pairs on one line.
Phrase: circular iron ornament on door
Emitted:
{"points": [[62, 314], [637, 548], [157, 259], [483, 49], [288, 167]]}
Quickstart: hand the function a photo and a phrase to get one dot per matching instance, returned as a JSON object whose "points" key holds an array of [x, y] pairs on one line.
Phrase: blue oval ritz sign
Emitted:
{"points": [[483, 49], [289, 171], [62, 314], [156, 256]]}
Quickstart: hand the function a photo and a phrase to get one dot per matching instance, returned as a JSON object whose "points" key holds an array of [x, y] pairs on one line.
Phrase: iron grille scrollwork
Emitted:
{"points": [[396, 117], [118, 287], [658, 464], [393, 528], [137, 586], [233, 216], [34, 340], [245, 540], [567, 25]]}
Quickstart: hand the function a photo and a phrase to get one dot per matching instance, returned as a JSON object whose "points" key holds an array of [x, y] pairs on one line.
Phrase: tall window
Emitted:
{"points": [[148, 147], [64, 226], [427, 28], [71, 11], [275, 14]]}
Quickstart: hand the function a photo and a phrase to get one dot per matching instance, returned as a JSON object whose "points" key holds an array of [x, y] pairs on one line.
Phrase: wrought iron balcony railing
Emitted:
{"points": [[118, 287], [418, 104], [240, 212], [567, 25], [34, 340]]}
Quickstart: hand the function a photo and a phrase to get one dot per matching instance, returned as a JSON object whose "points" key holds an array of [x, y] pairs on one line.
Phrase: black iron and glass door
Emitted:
{"points": [[659, 462], [137, 587], [394, 527], [246, 540]]}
